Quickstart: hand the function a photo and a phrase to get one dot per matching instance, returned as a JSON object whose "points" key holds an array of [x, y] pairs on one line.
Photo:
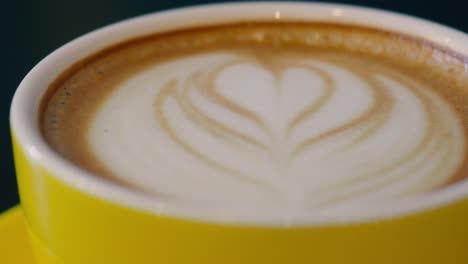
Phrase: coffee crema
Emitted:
{"points": [[280, 119]]}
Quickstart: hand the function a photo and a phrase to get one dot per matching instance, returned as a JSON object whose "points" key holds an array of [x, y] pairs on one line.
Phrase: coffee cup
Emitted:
{"points": [[248, 133]]}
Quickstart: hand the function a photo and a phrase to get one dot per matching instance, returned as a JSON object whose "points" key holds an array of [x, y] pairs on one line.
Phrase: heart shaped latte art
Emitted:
{"points": [[254, 134]]}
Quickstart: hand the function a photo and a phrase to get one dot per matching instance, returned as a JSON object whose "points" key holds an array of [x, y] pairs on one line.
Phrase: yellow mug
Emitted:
{"points": [[73, 217]]}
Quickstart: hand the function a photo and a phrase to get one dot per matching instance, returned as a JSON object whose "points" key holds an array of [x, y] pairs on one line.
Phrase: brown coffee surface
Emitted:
{"points": [[75, 96]]}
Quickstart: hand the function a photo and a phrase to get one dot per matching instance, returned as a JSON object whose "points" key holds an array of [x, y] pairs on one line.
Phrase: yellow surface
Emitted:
{"points": [[79, 228], [14, 244]]}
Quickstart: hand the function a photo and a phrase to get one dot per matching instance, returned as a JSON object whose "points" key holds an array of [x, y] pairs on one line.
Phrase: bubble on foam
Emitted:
{"points": [[307, 136]]}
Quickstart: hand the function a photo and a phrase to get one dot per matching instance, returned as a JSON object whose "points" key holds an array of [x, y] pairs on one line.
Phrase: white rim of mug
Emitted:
{"points": [[27, 98]]}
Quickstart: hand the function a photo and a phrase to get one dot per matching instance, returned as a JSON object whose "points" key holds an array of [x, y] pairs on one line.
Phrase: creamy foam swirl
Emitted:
{"points": [[287, 135]]}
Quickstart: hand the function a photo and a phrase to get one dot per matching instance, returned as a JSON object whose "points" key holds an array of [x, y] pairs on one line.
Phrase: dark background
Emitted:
{"points": [[32, 29]]}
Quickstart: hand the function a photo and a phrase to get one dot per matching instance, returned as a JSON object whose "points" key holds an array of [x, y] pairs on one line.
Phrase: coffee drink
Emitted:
{"points": [[267, 120]]}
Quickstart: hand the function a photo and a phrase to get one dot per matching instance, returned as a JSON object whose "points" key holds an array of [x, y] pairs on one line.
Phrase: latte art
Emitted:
{"points": [[290, 131], [250, 123]]}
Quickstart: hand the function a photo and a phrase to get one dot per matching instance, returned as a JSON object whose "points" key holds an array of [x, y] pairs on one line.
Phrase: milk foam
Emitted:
{"points": [[291, 136]]}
